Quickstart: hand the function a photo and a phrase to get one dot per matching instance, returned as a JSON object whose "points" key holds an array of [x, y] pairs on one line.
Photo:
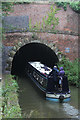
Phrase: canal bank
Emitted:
{"points": [[0, 100], [10, 105]]}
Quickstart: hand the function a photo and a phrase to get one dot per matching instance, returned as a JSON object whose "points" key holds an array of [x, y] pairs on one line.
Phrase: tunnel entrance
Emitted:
{"points": [[32, 52]]}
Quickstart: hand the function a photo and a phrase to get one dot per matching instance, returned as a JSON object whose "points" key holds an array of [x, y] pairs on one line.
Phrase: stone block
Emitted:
{"points": [[15, 23]]}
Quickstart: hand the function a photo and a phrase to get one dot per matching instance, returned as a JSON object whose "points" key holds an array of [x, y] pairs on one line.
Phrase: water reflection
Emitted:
{"points": [[34, 104]]}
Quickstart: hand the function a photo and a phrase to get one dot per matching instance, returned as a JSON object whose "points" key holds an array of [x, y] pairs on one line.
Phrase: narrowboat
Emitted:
{"points": [[39, 74]]}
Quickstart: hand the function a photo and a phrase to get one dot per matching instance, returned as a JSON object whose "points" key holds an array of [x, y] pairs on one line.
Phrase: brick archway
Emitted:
{"points": [[33, 51], [27, 41]]}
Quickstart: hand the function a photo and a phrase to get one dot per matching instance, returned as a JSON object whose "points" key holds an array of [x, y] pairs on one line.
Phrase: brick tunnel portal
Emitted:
{"points": [[32, 52]]}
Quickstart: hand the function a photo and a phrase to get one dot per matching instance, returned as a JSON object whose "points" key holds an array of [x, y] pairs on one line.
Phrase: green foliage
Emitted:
{"points": [[62, 4], [51, 20], [30, 25], [71, 70], [48, 23], [26, 2], [75, 5], [7, 7], [12, 112], [11, 108], [34, 36]]}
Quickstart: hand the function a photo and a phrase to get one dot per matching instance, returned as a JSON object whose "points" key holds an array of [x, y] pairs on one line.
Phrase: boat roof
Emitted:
{"points": [[41, 67]]}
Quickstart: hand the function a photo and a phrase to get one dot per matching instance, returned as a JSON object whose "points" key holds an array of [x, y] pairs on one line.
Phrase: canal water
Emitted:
{"points": [[34, 104]]}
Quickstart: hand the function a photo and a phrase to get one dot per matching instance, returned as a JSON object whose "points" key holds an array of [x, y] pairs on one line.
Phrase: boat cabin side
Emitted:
{"points": [[41, 74]]}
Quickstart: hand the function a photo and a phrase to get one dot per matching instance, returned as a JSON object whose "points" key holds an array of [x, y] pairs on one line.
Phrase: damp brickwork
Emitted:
{"points": [[68, 20], [61, 41]]}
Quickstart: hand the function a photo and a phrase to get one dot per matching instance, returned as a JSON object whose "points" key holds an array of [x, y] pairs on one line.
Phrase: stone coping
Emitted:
{"points": [[33, 1], [58, 32]]}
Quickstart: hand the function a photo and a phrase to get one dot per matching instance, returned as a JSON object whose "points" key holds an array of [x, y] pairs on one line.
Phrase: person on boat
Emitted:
{"points": [[53, 79], [55, 75], [54, 72], [61, 75], [56, 69], [63, 81]]}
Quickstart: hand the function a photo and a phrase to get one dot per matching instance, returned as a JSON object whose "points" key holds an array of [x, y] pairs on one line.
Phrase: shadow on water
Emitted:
{"points": [[34, 104]]}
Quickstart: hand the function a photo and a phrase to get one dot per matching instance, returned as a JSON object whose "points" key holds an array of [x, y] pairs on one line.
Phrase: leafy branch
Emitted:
{"points": [[74, 5], [48, 23]]}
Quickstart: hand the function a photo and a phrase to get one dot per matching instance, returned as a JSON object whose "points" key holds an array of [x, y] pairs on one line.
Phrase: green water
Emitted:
{"points": [[34, 104]]}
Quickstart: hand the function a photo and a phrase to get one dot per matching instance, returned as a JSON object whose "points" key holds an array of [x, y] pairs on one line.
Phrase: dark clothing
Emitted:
{"points": [[52, 80], [65, 86], [54, 73], [50, 85]]}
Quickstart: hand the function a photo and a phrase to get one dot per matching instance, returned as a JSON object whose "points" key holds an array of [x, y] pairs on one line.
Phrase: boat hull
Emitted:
{"points": [[58, 97]]}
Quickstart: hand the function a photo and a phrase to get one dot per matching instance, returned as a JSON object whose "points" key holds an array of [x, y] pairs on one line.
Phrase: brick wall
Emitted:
{"points": [[68, 20], [61, 41]]}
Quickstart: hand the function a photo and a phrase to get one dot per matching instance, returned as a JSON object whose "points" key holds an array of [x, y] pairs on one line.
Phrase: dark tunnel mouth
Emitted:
{"points": [[33, 52]]}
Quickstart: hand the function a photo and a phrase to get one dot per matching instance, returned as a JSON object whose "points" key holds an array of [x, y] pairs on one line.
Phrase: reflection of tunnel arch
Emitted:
{"points": [[32, 52]]}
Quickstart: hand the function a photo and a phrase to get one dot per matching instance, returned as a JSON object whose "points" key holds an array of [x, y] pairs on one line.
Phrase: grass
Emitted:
{"points": [[11, 108]]}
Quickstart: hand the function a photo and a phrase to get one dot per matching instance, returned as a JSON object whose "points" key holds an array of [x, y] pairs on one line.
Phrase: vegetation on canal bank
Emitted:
{"points": [[71, 70], [10, 105]]}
